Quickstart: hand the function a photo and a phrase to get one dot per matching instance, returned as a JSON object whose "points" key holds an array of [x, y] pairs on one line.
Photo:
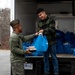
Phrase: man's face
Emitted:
{"points": [[42, 15], [20, 28]]}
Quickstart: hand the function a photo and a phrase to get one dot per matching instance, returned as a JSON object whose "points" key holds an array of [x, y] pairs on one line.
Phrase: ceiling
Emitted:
{"points": [[53, 1], [45, 1]]}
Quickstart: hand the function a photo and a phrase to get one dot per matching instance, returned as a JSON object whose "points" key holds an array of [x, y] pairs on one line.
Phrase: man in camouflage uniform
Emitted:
{"points": [[17, 53], [46, 25]]}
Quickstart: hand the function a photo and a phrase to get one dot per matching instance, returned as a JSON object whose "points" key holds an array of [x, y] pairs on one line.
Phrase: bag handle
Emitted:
{"points": [[40, 34]]}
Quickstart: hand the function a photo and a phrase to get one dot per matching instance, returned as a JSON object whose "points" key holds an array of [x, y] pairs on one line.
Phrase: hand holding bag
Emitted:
{"points": [[40, 43]]}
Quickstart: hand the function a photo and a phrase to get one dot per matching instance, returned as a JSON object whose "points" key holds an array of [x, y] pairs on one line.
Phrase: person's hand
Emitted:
{"points": [[28, 51], [41, 31], [36, 33]]}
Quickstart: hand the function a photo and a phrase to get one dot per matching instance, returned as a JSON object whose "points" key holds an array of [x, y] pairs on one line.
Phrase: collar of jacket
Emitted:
{"points": [[15, 33], [45, 19]]}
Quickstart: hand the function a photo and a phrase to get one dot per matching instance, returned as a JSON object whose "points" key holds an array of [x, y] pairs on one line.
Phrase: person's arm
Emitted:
{"points": [[15, 47], [28, 37], [49, 28]]}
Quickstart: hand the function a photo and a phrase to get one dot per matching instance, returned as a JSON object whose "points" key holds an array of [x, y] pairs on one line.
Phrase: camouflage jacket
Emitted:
{"points": [[17, 53], [48, 25]]}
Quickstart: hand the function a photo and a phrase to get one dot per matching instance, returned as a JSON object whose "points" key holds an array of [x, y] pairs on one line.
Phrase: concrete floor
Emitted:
{"points": [[5, 62]]}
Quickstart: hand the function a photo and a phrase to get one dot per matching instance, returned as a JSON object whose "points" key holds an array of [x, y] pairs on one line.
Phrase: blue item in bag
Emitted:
{"points": [[37, 53], [40, 43]]}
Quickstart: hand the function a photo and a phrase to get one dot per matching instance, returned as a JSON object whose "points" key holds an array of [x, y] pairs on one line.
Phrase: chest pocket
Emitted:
{"points": [[44, 24]]}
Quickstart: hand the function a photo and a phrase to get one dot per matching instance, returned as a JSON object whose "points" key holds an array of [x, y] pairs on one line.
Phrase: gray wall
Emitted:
{"points": [[25, 11], [65, 23]]}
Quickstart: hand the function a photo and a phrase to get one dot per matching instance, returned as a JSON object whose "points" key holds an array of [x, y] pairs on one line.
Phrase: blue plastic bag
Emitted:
{"points": [[36, 53], [59, 47], [67, 48], [40, 43]]}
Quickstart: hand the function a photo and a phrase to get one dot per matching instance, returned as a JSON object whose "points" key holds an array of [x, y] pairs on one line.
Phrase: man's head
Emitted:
{"points": [[41, 13], [15, 24]]}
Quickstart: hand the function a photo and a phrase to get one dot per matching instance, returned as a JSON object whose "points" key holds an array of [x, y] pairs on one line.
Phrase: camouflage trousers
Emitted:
{"points": [[17, 68]]}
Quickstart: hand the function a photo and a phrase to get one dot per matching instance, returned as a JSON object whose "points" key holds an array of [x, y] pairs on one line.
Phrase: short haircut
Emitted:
{"points": [[14, 22], [39, 10]]}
